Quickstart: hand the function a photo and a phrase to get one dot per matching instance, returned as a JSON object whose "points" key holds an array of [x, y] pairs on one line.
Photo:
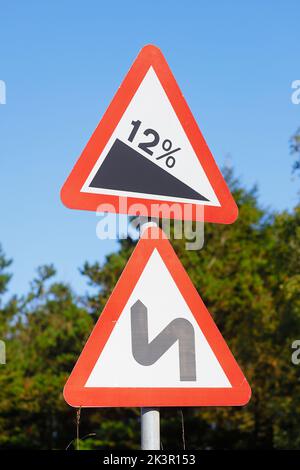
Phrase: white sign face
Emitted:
{"points": [[149, 155], [156, 342]]}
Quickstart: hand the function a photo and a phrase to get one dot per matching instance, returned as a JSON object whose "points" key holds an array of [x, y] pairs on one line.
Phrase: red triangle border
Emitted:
{"points": [[78, 396], [71, 194]]}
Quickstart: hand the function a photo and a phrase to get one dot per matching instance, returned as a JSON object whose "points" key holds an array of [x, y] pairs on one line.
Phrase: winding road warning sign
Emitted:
{"points": [[148, 148], [155, 343]]}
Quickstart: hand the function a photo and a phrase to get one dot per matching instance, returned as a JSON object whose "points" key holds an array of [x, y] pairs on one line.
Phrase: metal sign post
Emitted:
{"points": [[150, 417], [150, 429]]}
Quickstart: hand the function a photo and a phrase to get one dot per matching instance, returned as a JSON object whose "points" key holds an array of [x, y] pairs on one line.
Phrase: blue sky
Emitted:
{"points": [[62, 62]]}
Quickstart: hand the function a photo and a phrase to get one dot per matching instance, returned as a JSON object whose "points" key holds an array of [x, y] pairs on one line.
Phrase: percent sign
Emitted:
{"points": [[145, 146], [167, 147]]}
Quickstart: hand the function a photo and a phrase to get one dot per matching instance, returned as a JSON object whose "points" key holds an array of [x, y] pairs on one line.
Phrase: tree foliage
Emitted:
{"points": [[248, 275]]}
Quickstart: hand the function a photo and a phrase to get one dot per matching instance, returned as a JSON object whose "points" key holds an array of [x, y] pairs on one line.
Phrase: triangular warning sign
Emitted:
{"points": [[148, 148], [155, 343]]}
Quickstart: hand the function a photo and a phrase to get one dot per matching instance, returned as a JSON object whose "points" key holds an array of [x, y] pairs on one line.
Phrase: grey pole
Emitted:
{"points": [[150, 417], [150, 429]]}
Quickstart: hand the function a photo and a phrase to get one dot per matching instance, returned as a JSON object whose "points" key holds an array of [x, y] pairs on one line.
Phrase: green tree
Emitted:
{"points": [[43, 342], [248, 275]]}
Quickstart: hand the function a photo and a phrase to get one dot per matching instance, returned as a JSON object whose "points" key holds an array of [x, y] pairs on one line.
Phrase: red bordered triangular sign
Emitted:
{"points": [[148, 150], [155, 343]]}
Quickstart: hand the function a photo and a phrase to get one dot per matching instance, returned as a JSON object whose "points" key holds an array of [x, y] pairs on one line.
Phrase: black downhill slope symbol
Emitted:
{"points": [[125, 169], [179, 329]]}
